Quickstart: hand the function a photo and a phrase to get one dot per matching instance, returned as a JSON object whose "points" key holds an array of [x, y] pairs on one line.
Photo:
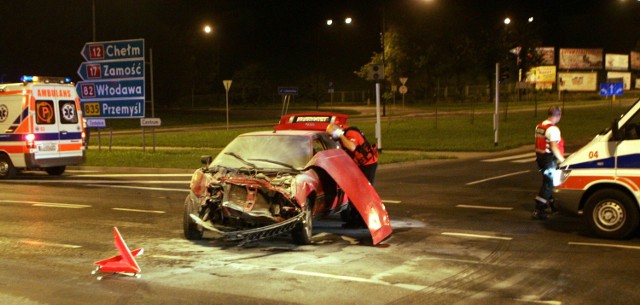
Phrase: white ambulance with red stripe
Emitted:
{"points": [[602, 179], [40, 126]]}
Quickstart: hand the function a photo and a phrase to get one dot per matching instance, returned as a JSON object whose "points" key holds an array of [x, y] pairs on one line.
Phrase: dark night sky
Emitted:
{"points": [[45, 37]]}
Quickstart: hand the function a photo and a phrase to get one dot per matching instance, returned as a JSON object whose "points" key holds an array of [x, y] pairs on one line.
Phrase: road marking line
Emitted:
{"points": [[550, 302], [142, 188], [355, 279], [139, 211], [476, 236], [186, 182], [571, 243], [48, 204], [498, 177], [482, 207], [135, 175], [42, 243], [391, 201], [528, 160], [509, 157]]}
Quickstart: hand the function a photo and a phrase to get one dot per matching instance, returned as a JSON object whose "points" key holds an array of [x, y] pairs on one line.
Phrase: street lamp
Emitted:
{"points": [[207, 29], [530, 19], [329, 21], [348, 20], [507, 20]]}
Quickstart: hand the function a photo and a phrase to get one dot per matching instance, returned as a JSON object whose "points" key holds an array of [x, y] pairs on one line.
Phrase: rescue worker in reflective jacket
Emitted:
{"points": [[364, 154], [549, 153]]}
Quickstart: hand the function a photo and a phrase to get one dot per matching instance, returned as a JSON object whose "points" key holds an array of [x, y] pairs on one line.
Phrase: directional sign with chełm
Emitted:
{"points": [[121, 49], [611, 89], [113, 79]]}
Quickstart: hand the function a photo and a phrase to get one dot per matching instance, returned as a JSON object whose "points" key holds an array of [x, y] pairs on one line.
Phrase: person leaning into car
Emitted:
{"points": [[364, 154]]}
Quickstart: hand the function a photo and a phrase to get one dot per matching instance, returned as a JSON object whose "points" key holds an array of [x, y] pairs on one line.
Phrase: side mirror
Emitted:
{"points": [[615, 131], [206, 160]]}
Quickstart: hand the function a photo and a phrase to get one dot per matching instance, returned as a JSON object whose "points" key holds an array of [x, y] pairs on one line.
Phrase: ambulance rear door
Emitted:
{"points": [[57, 128]]}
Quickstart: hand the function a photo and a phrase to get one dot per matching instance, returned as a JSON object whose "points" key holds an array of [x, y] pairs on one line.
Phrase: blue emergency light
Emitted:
{"points": [[45, 79]]}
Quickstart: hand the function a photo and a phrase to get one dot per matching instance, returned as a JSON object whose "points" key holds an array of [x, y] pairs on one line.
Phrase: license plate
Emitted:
{"points": [[48, 147]]}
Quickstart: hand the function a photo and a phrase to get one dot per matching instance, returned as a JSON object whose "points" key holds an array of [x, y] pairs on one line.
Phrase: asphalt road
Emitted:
{"points": [[463, 235]]}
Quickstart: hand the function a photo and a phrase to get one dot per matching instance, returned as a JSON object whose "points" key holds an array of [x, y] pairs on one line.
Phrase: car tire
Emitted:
{"points": [[7, 171], [611, 214], [303, 231], [192, 231], [56, 170]]}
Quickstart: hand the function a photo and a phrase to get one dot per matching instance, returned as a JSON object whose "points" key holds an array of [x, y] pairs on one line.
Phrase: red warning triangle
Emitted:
{"points": [[123, 263]]}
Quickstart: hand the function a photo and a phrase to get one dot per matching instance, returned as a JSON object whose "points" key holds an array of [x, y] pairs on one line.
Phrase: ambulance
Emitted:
{"points": [[40, 126], [601, 180]]}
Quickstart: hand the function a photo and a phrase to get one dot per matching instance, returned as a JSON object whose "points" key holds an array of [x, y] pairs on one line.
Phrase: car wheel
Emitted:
{"points": [[191, 229], [611, 214], [7, 170], [55, 171], [303, 231]]}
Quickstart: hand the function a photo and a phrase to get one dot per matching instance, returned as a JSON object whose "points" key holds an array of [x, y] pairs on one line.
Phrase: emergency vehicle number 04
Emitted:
{"points": [[92, 109]]}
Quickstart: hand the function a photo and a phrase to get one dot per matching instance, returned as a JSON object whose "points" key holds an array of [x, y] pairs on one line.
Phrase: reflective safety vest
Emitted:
{"points": [[542, 142]]}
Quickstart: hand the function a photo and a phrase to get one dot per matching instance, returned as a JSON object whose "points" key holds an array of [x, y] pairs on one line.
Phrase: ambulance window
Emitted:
{"points": [[68, 114], [632, 128], [44, 113]]}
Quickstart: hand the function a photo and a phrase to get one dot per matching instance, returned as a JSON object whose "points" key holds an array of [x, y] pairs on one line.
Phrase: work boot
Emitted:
{"points": [[539, 214], [552, 205]]}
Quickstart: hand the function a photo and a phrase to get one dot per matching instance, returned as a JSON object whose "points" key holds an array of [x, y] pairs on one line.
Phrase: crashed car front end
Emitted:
{"points": [[243, 205]]}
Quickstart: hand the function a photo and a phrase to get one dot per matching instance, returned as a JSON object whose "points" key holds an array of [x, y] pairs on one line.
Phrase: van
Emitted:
{"points": [[601, 180], [40, 126]]}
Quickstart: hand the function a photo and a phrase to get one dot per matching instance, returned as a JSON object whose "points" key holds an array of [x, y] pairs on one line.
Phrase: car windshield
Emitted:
{"points": [[265, 151]]}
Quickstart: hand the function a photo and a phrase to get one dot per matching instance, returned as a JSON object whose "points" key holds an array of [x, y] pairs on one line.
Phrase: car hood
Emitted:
{"points": [[361, 193]]}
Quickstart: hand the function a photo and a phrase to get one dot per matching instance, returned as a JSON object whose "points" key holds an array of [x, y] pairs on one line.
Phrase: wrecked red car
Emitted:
{"points": [[269, 183]]}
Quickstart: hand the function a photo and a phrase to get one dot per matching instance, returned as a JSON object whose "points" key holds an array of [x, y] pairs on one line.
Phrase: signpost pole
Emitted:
{"points": [[153, 110], [378, 131], [495, 113], [227, 86]]}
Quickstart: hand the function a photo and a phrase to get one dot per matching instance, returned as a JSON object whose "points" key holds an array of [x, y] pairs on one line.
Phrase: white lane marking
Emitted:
{"points": [[476, 236], [142, 188], [571, 243], [106, 181], [528, 160], [135, 175], [80, 171], [412, 287], [510, 157], [482, 207], [139, 211], [391, 201], [536, 300], [47, 204], [498, 177], [48, 244]]}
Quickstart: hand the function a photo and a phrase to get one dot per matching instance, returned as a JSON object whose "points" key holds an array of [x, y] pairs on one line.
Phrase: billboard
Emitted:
{"points": [[626, 78], [548, 55], [586, 59], [543, 77], [616, 62], [578, 81], [635, 60]]}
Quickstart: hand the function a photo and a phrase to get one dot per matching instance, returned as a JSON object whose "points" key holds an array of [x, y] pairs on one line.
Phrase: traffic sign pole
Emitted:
{"points": [[227, 86]]}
